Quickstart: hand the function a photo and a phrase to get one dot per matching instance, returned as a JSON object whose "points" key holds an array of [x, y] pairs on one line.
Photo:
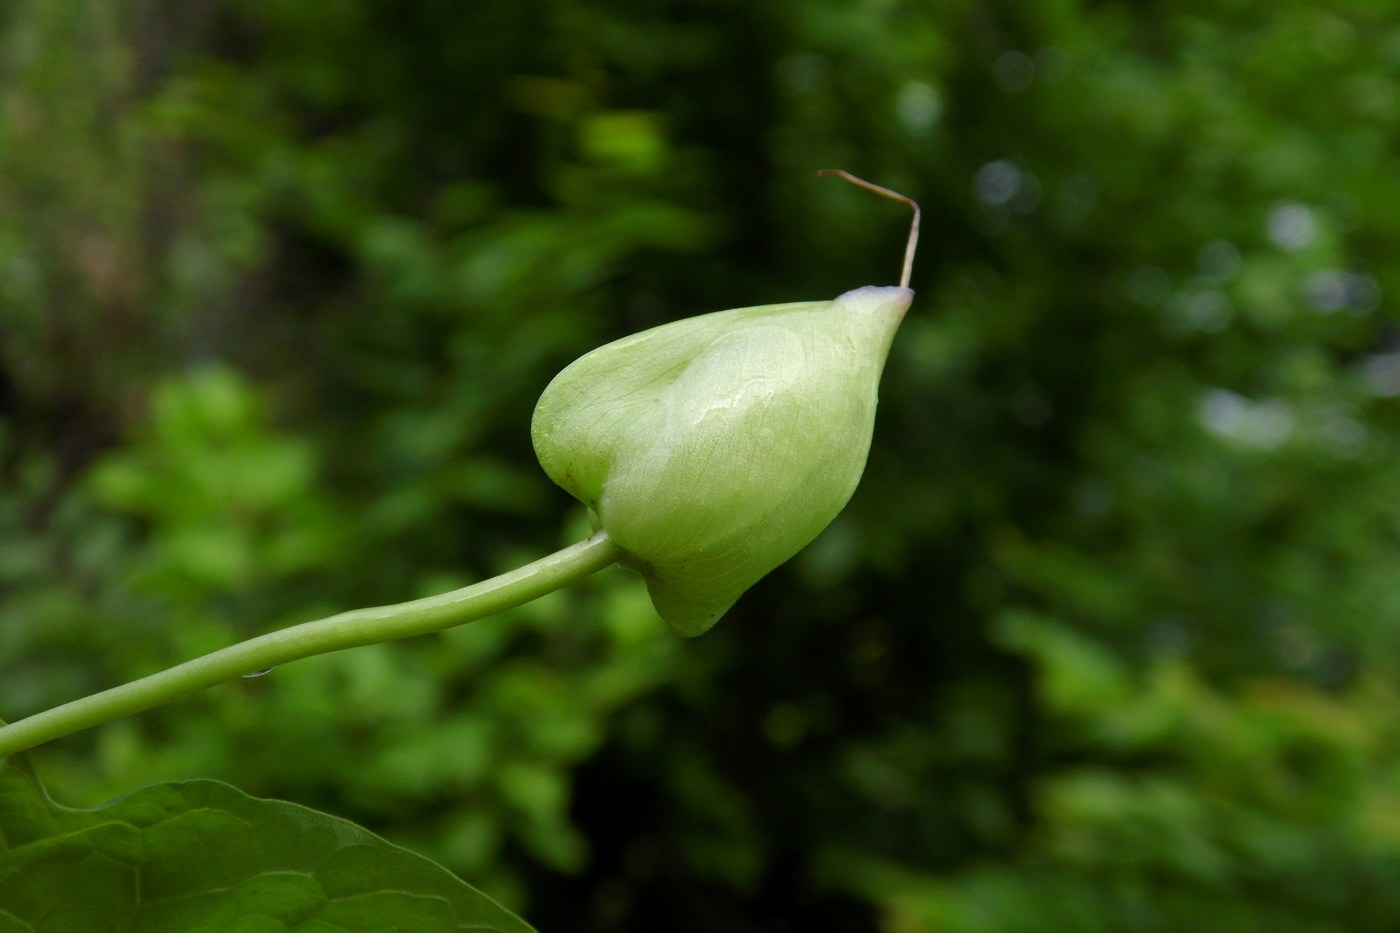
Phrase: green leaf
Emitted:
{"points": [[203, 857]]}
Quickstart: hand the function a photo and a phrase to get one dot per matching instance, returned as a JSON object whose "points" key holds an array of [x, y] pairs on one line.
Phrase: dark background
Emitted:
{"points": [[1105, 641]]}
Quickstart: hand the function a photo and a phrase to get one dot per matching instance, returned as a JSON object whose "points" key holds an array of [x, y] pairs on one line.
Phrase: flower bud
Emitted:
{"points": [[714, 448]]}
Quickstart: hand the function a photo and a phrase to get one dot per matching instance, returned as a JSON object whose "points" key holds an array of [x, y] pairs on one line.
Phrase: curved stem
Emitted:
{"points": [[346, 630]]}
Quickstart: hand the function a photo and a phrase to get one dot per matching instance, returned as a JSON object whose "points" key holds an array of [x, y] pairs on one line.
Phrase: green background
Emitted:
{"points": [[1105, 641]]}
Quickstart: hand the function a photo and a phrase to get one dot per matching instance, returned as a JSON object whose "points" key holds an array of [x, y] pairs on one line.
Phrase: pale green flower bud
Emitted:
{"points": [[713, 449]]}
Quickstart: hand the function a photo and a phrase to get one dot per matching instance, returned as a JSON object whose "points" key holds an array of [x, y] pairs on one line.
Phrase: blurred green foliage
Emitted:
{"points": [[1106, 639]]}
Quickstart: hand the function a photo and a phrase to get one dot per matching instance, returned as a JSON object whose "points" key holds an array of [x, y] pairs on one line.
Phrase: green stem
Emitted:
{"points": [[346, 630]]}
